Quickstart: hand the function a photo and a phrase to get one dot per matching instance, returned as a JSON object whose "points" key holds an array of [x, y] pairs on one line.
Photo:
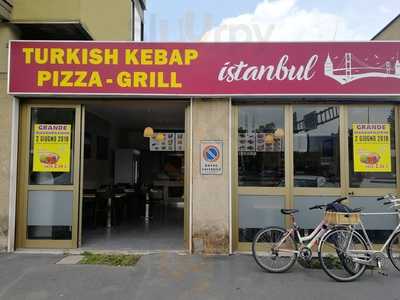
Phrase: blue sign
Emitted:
{"points": [[211, 158]]}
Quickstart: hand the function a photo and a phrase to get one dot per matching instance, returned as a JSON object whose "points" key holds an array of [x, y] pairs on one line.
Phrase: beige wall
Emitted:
{"points": [[103, 19], [107, 20], [45, 10], [392, 32], [211, 192], [6, 33]]}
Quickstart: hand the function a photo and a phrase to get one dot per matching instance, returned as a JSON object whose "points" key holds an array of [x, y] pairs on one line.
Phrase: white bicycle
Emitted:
{"points": [[355, 249]]}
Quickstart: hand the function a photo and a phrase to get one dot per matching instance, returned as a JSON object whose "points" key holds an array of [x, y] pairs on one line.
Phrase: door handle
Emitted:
{"points": [[351, 193]]}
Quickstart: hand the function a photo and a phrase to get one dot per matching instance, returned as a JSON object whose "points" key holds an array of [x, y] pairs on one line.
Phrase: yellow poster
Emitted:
{"points": [[51, 148], [371, 148]]}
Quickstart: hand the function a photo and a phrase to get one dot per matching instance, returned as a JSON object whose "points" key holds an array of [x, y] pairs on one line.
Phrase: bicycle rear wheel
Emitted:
{"points": [[394, 250], [270, 257], [334, 254]]}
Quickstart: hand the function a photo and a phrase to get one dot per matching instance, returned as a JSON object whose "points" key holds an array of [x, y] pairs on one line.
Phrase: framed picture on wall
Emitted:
{"points": [[102, 148]]}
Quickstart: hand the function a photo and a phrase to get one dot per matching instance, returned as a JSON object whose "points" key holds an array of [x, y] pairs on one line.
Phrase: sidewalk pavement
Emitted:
{"points": [[173, 276]]}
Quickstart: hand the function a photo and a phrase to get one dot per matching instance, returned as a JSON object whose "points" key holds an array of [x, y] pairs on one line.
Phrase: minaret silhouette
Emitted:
{"points": [[397, 68], [328, 66]]}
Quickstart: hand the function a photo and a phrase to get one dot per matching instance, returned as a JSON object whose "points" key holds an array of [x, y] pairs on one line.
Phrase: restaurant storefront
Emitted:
{"points": [[266, 126], [299, 155]]}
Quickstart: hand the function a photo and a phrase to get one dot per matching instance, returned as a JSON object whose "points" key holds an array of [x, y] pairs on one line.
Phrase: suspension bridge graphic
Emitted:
{"points": [[352, 68]]}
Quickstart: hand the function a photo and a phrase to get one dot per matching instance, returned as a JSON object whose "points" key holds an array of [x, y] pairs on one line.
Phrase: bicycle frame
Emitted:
{"points": [[312, 238], [357, 253]]}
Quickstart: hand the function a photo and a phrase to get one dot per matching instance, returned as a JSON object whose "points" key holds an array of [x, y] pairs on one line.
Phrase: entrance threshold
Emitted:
{"points": [[98, 251]]}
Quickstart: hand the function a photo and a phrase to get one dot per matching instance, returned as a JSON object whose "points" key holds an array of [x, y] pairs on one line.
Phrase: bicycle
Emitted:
{"points": [[357, 249], [275, 249]]}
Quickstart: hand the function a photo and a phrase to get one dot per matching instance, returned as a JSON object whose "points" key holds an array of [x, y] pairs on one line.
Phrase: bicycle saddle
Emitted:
{"points": [[289, 211]]}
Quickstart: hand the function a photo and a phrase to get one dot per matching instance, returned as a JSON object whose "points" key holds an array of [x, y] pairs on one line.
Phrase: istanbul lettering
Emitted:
{"points": [[243, 71]]}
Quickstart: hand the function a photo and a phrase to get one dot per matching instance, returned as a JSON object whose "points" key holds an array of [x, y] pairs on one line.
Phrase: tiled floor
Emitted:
{"points": [[163, 232]]}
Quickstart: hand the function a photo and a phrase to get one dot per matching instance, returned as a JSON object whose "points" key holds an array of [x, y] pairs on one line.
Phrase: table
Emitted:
{"points": [[166, 184], [89, 196], [92, 196]]}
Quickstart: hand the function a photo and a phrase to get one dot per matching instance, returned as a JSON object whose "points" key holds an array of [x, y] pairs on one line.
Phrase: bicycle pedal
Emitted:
{"points": [[383, 273]]}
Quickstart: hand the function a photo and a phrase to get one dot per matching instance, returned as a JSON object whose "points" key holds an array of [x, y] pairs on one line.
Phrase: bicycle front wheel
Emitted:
{"points": [[274, 249], [337, 254], [394, 251]]}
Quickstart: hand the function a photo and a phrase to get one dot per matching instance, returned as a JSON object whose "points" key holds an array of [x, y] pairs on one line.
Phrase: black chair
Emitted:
{"points": [[118, 205], [88, 208], [101, 212]]}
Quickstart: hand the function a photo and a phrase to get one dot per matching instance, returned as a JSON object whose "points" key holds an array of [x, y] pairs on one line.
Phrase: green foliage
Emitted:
{"points": [[118, 260]]}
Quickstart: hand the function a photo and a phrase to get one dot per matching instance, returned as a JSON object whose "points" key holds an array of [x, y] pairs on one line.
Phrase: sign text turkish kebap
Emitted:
{"points": [[127, 68]]}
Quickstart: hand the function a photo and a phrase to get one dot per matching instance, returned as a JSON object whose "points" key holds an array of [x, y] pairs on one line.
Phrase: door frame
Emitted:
{"points": [[257, 191], [23, 186], [187, 184]]}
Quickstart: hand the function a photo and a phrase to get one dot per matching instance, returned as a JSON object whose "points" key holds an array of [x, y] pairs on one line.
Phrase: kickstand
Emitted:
{"points": [[381, 269]]}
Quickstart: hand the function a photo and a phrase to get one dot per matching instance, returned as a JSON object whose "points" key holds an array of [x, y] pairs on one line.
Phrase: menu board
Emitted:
{"points": [[168, 144], [179, 141], [255, 142], [247, 142], [172, 142]]}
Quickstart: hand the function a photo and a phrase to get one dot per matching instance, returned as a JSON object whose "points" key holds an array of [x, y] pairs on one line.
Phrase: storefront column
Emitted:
{"points": [[211, 196], [8, 107]]}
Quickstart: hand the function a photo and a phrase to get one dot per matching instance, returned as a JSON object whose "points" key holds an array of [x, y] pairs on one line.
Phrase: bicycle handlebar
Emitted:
{"points": [[317, 206], [322, 206], [339, 200]]}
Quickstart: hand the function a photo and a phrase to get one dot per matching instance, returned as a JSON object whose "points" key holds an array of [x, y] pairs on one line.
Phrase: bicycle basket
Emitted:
{"points": [[336, 218]]}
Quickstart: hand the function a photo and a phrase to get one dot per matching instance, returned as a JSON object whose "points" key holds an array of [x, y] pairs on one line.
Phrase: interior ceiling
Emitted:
{"points": [[138, 114]]}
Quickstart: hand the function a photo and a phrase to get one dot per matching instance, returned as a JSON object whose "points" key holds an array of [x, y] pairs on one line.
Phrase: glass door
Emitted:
{"points": [[48, 176], [261, 169], [372, 171], [316, 158]]}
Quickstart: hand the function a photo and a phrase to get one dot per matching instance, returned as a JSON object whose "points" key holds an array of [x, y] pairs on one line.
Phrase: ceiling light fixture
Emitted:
{"points": [[148, 132]]}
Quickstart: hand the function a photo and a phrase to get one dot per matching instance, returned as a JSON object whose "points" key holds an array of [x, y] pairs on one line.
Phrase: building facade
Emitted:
{"points": [[390, 32], [54, 20], [307, 124]]}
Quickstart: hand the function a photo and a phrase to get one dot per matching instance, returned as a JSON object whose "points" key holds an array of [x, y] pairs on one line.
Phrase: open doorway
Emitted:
{"points": [[133, 186]]}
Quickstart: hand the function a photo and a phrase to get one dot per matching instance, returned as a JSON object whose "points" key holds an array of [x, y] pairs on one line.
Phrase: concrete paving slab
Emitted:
{"points": [[177, 277], [70, 260]]}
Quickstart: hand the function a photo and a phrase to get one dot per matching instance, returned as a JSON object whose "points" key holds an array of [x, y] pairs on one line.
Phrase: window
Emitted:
{"points": [[47, 155], [375, 115], [316, 147], [261, 145]]}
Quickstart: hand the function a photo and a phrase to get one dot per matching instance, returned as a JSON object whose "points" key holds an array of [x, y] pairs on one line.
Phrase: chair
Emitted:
{"points": [[157, 202], [118, 205], [101, 211], [89, 208]]}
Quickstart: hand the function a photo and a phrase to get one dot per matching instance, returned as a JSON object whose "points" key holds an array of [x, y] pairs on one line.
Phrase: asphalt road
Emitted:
{"points": [[172, 276]]}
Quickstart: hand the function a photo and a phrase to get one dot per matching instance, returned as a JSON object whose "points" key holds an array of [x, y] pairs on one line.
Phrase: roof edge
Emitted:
{"points": [[386, 27]]}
